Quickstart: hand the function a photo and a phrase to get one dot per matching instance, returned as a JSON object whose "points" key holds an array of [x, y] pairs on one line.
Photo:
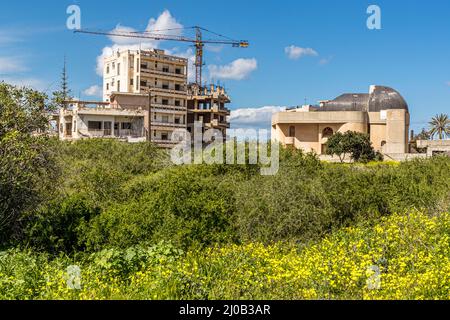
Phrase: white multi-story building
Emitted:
{"points": [[129, 75]]}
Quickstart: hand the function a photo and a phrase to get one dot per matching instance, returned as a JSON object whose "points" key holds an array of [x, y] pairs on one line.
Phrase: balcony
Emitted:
{"points": [[108, 133], [168, 74], [168, 124], [215, 123], [165, 90], [215, 109]]}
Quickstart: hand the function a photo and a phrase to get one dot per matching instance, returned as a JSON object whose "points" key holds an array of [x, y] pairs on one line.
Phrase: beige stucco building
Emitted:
{"points": [[382, 113]]}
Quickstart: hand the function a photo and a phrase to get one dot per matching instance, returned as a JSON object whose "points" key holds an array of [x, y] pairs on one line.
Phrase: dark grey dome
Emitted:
{"points": [[347, 102], [379, 98], [385, 98]]}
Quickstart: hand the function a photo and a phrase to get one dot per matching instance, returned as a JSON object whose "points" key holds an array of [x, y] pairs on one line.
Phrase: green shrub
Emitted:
{"points": [[185, 205], [59, 226]]}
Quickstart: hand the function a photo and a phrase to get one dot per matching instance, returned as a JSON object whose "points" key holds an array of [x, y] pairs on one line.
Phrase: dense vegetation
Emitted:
{"points": [[411, 252], [140, 227]]}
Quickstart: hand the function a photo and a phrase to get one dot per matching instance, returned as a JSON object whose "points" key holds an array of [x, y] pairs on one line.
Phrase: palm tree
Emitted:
{"points": [[440, 125]]}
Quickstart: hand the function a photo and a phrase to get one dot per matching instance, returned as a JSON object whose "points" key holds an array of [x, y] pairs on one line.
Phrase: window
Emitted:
{"points": [[131, 82], [178, 71], [177, 120], [107, 128], [107, 69], [165, 119], [137, 64], [94, 125], [107, 86], [178, 87], [112, 82], [292, 132], [113, 65], [144, 66], [143, 83], [126, 126], [118, 69], [165, 102], [118, 86], [177, 103], [137, 82], [327, 132], [74, 126], [166, 69], [165, 86], [164, 136]]}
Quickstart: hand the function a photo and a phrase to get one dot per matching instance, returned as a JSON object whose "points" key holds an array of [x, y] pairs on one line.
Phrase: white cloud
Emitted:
{"points": [[34, 83], [93, 91], [10, 65], [159, 25], [295, 53], [255, 118], [325, 61], [9, 36], [237, 70], [215, 48]]}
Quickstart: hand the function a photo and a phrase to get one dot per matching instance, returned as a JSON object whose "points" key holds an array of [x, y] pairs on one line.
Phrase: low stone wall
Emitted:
{"points": [[404, 156], [399, 157]]}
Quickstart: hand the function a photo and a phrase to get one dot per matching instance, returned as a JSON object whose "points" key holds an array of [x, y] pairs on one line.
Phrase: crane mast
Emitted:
{"points": [[198, 57]]}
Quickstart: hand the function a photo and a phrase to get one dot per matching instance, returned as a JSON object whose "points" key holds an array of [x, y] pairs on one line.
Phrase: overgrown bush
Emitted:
{"points": [[186, 205], [27, 162]]}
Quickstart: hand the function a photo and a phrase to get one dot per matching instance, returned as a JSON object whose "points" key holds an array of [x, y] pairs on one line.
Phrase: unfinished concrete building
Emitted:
{"points": [[208, 106]]}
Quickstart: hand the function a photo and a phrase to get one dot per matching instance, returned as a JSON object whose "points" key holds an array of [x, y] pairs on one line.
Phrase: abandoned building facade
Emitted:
{"points": [[208, 106], [145, 96], [382, 113]]}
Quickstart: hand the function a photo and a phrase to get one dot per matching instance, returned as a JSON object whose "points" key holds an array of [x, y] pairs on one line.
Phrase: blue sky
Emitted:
{"points": [[340, 54]]}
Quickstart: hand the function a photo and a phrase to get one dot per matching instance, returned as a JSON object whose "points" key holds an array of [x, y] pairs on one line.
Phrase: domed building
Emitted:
{"points": [[382, 113]]}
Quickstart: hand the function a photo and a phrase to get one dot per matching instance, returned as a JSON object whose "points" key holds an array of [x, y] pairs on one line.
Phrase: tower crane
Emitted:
{"points": [[198, 42]]}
